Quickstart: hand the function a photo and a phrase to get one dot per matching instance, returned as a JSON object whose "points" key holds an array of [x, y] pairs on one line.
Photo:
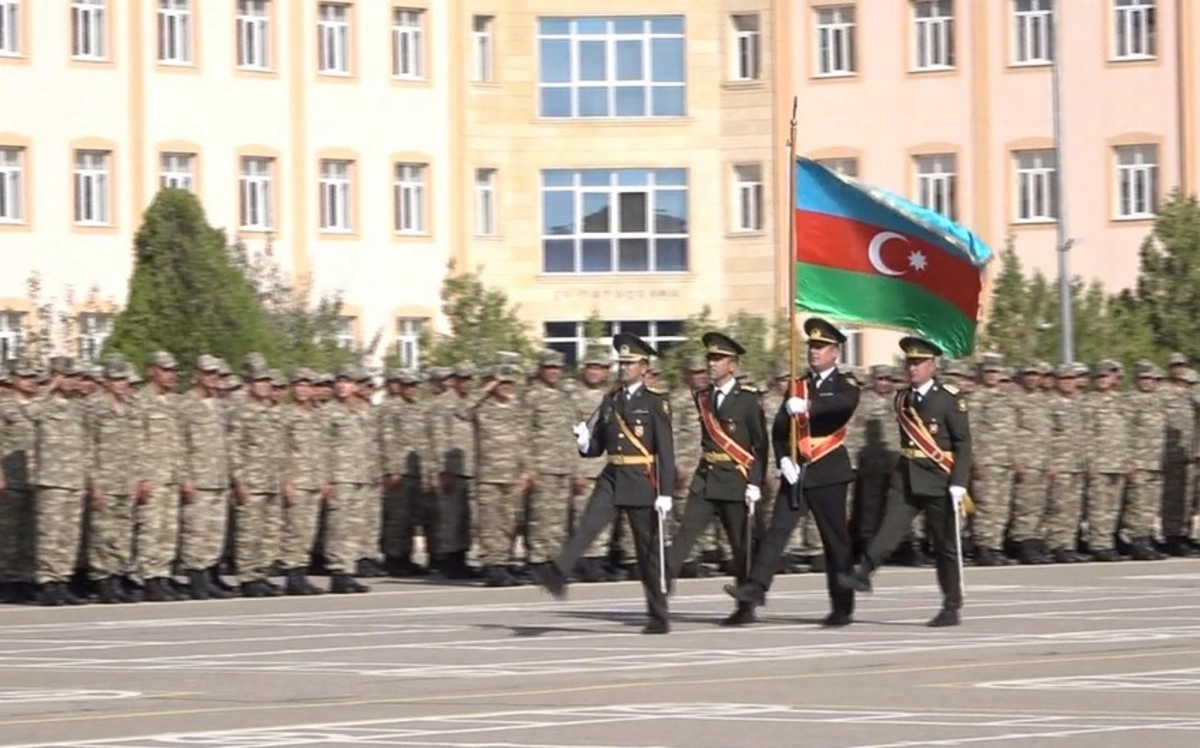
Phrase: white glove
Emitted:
{"points": [[583, 437], [663, 505], [796, 406], [957, 493], [753, 494], [789, 470]]}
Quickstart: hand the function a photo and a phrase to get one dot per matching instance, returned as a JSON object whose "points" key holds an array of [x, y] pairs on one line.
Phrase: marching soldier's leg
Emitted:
{"points": [[644, 523], [698, 517], [593, 568], [547, 518], [896, 525], [59, 517], [691, 566], [992, 502], [1063, 516], [493, 532], [827, 507], [1104, 496], [623, 546], [940, 513], [598, 515], [785, 517]]}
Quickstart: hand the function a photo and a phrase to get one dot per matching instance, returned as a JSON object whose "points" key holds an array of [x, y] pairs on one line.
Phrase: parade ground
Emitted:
{"points": [[1081, 655]]}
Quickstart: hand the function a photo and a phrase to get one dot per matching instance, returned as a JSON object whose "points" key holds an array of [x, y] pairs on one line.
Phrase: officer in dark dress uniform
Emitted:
{"points": [[931, 476], [734, 453], [822, 405], [633, 427]]}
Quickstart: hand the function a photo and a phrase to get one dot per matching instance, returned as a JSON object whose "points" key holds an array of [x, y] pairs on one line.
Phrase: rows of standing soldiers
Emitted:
{"points": [[120, 489]]}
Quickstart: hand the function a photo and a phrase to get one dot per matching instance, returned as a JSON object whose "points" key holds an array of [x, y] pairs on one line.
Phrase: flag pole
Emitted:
{"points": [[791, 274], [1063, 236]]}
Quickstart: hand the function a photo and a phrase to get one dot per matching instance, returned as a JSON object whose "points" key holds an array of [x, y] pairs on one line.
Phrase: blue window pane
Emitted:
{"points": [[556, 102], [673, 177], [558, 256], [633, 177], [669, 328], [558, 213], [554, 61], [595, 177], [670, 255], [592, 65], [630, 62], [634, 255], [593, 101], [596, 256], [629, 25], [631, 101], [641, 329], [591, 25], [670, 211], [553, 26], [666, 57], [667, 101], [667, 25], [597, 215], [557, 177]]}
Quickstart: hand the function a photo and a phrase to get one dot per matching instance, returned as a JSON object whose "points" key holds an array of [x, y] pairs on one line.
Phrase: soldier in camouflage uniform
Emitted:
{"points": [[593, 387], [1181, 404], [368, 565], [431, 408], [1147, 433], [553, 461], [686, 430], [452, 458], [345, 441], [1068, 438], [256, 463], [162, 470], [17, 450], [772, 399], [875, 420], [1109, 461], [994, 428], [1030, 464], [404, 504], [303, 487], [503, 474]]}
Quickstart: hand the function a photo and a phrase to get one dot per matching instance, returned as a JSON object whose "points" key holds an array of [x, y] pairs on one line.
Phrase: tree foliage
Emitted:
{"points": [[483, 323], [1168, 286]]}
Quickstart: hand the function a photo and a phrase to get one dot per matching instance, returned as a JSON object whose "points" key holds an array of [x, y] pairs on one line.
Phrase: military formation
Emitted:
{"points": [[118, 488]]}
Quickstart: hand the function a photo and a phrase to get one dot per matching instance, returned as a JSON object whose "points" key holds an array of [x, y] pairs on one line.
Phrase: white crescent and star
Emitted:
{"points": [[916, 258]]}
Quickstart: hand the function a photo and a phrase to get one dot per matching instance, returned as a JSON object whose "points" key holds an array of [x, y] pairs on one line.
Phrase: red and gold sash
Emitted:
{"points": [[813, 448], [741, 458], [916, 430]]}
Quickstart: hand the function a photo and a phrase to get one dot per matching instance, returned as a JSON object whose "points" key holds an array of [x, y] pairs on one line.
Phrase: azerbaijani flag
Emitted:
{"points": [[866, 255]]}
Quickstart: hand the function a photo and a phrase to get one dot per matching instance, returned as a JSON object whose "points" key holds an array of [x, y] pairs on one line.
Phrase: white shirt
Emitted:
{"points": [[822, 376], [632, 389], [923, 390], [724, 390]]}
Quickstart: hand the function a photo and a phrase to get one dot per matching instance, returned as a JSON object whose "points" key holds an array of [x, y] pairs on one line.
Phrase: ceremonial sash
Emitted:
{"points": [[741, 458], [916, 430], [813, 448], [639, 446]]}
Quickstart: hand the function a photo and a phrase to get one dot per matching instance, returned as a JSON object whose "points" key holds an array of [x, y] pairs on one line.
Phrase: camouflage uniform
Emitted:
{"points": [[587, 400], [1179, 402], [404, 439], [1068, 439], [504, 433], [344, 437], [375, 458], [206, 445], [114, 435], [1109, 459], [256, 461], [1030, 456], [1147, 431], [162, 467], [554, 460], [994, 428], [17, 450], [452, 457], [875, 420], [685, 429], [303, 477]]}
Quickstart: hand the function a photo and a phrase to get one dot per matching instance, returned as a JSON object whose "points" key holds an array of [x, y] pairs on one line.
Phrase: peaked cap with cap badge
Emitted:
{"points": [[822, 331], [914, 347], [720, 344], [630, 348]]}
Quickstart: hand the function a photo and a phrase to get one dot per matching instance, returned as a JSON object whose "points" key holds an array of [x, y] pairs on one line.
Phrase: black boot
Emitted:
{"points": [[550, 578], [216, 582], [156, 592], [110, 591], [69, 597], [198, 585], [254, 589], [857, 579], [50, 594], [343, 584]]}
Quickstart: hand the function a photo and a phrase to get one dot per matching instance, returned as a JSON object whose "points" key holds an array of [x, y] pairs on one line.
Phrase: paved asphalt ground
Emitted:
{"points": [[1089, 655]]}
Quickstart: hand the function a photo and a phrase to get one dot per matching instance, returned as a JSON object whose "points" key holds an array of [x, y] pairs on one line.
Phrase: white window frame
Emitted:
{"points": [[89, 30], [12, 334], [748, 197], [408, 340], [256, 176], [937, 182], [93, 187], [410, 198], [933, 27], [175, 32], [333, 39], [344, 338], [847, 166], [1136, 182], [482, 49], [485, 202], [1135, 30], [747, 47], [835, 48], [336, 185], [94, 330], [10, 28], [177, 171], [408, 44], [12, 184], [254, 35], [852, 349], [581, 342], [1033, 32], [1036, 186]]}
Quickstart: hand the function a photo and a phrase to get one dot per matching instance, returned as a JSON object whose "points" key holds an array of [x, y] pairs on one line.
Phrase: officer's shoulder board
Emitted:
{"points": [[849, 377], [750, 390], [960, 403], [657, 391], [951, 389]]}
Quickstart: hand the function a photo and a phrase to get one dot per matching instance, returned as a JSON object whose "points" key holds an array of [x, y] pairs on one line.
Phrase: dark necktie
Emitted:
{"points": [[716, 399]]}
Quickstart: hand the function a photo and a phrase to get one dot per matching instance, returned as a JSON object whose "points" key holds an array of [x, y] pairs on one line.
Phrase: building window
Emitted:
{"points": [[91, 187], [1137, 181], [335, 195], [935, 34], [178, 171], [748, 197], [485, 202], [747, 41], [852, 349], [614, 220], [175, 32], [345, 333], [936, 182], [481, 48], [408, 341], [1037, 186], [333, 38], [255, 184], [835, 40], [1134, 29], [12, 335], [88, 18], [1033, 32], [10, 28], [847, 167], [611, 67], [12, 195], [570, 338], [253, 37], [408, 43], [409, 195], [94, 330]]}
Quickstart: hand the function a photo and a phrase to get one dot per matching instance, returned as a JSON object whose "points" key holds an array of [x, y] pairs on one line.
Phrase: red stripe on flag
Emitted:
{"points": [[843, 244]]}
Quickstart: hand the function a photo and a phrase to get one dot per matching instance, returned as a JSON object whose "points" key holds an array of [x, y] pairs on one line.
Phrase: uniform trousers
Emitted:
{"points": [[300, 520], [344, 514], [497, 508], [1064, 511], [157, 532], [17, 535], [59, 522], [110, 544], [259, 536], [1176, 510], [698, 516], [547, 514], [1103, 509], [203, 523]]}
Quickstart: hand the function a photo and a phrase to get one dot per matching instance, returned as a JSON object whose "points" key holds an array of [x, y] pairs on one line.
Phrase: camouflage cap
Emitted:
{"points": [[779, 370], [277, 378], [4, 377], [897, 375], [990, 362], [135, 378], [65, 365], [507, 374], [365, 376], [223, 367], [694, 364], [303, 374], [655, 365], [257, 371], [1045, 367], [346, 371], [551, 359], [439, 373], [1080, 369], [880, 371], [956, 368], [597, 356], [486, 372], [1066, 371], [1007, 374], [408, 376], [1106, 366], [392, 375], [162, 360], [1190, 376], [253, 359], [323, 378], [1144, 369], [1030, 367], [208, 363], [1177, 359], [463, 371], [116, 368]]}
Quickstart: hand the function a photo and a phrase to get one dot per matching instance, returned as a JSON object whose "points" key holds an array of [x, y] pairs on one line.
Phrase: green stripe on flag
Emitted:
{"points": [[879, 300]]}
